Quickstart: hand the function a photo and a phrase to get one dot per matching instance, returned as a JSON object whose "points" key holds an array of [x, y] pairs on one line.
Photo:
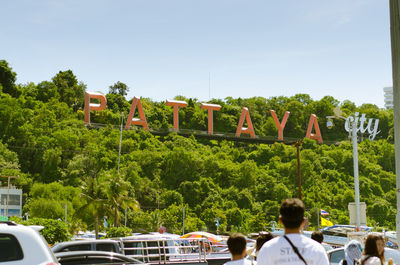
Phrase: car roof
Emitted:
{"points": [[89, 241], [94, 254]]}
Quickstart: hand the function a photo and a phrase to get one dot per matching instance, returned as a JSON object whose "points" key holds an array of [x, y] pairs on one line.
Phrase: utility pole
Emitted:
{"points": [[125, 216], [395, 43], [66, 220], [297, 145], [120, 140], [8, 191]]}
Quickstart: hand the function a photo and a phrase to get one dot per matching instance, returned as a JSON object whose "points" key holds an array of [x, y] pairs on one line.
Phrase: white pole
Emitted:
{"points": [[8, 196], [395, 43], [183, 222], [356, 181]]}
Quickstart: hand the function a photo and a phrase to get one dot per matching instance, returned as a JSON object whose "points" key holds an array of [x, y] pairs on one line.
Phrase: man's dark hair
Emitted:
{"points": [[292, 213], [262, 238], [317, 236], [236, 243]]}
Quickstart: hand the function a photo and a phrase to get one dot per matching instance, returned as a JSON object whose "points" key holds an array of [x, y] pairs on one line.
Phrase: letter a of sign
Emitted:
{"points": [[142, 121], [317, 135], [280, 126], [93, 106], [241, 129]]}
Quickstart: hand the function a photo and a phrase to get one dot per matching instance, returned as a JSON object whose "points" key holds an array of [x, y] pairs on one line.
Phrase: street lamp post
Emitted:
{"points": [[352, 122], [355, 168], [353, 125]]}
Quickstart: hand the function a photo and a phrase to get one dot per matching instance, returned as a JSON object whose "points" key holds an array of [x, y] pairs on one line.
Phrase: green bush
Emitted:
{"points": [[54, 231], [118, 232]]}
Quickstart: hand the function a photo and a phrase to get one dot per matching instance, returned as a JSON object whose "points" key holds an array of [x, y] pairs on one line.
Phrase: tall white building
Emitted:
{"points": [[388, 94], [14, 201]]}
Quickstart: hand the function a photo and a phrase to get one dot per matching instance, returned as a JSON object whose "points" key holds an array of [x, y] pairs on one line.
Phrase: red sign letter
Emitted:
{"points": [[176, 104], [93, 106], [280, 126], [317, 135], [142, 121], [210, 108], [240, 129]]}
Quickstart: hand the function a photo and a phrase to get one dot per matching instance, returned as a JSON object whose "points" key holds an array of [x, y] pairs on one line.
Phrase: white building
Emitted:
{"points": [[14, 201], [388, 94]]}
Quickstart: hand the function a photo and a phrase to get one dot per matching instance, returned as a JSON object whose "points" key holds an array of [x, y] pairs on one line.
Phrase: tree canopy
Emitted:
{"points": [[164, 177]]}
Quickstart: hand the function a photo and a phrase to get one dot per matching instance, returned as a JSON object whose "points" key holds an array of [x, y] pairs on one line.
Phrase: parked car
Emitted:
{"points": [[336, 255], [94, 257], [94, 245], [21, 245]]}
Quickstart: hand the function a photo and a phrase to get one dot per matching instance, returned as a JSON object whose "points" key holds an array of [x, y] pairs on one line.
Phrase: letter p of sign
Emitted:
{"points": [[93, 106]]}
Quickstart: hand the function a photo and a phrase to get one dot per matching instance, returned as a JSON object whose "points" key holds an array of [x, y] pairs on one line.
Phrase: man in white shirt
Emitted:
{"points": [[292, 248], [237, 247]]}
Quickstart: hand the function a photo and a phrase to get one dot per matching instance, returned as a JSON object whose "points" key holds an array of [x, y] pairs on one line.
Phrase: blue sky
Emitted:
{"points": [[164, 48]]}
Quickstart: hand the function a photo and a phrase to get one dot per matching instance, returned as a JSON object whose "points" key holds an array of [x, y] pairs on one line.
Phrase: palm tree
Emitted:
{"points": [[95, 199], [118, 197]]}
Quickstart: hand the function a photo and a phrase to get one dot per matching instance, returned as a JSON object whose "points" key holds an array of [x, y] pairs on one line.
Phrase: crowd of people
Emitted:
{"points": [[295, 248]]}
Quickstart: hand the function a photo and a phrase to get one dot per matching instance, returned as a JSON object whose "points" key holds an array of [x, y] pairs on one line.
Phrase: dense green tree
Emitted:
{"points": [[46, 91], [119, 88], [44, 141], [70, 90], [7, 79]]}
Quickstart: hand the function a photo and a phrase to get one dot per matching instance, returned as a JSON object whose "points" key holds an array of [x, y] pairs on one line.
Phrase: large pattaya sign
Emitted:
{"points": [[176, 104]]}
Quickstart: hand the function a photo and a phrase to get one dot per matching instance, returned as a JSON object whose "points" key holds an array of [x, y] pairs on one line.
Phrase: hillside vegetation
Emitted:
{"points": [[61, 161]]}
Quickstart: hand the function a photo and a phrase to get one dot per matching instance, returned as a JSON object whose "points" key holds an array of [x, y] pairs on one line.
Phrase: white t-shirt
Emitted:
{"points": [[373, 261], [279, 251], [241, 262]]}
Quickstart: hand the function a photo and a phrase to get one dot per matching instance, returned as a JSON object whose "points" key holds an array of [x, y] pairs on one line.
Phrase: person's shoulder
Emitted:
{"points": [[232, 262], [249, 262], [373, 261]]}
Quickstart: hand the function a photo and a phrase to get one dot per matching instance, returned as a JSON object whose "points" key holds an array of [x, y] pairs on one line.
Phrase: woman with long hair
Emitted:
{"points": [[374, 250]]}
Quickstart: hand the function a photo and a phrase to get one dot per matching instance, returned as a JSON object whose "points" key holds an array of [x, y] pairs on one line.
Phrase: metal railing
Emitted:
{"points": [[167, 251]]}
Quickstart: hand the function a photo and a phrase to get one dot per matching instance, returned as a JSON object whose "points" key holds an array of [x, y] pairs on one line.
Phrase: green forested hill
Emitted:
{"points": [[61, 161]]}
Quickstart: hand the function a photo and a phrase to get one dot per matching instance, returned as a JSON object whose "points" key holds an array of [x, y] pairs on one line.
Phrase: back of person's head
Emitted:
{"points": [[236, 244], [262, 238], [371, 248], [317, 236], [292, 213]]}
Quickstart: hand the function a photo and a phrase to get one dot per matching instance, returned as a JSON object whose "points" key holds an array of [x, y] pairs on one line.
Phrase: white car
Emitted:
{"points": [[22, 245], [336, 255]]}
